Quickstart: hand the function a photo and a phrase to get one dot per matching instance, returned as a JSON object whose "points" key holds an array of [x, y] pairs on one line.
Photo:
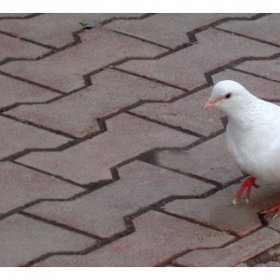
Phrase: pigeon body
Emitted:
{"points": [[253, 132]]}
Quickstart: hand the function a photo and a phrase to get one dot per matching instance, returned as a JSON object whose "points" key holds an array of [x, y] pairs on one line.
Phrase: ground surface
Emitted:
{"points": [[107, 158]]}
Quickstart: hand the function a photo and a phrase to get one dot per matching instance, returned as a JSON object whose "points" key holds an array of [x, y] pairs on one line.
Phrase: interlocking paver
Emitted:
{"points": [[265, 68], [64, 70], [270, 257], [186, 68], [167, 29], [91, 160], [13, 15], [209, 160], [11, 47], [16, 137], [269, 264], [275, 224], [217, 210], [232, 254], [44, 28], [265, 28], [15, 91], [260, 87], [140, 185], [20, 185], [23, 240], [152, 176], [274, 250], [187, 113], [157, 238], [110, 91]]}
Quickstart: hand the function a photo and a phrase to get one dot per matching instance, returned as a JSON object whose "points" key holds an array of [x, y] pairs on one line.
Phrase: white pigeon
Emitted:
{"points": [[252, 134]]}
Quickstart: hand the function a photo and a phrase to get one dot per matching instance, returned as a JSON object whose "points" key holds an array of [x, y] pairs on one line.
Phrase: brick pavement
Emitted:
{"points": [[107, 158]]}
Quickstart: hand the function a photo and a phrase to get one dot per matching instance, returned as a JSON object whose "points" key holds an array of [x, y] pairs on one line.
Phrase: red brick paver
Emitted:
{"points": [[106, 155], [20, 185], [43, 29], [15, 91], [186, 112], [269, 264], [24, 239], [13, 15], [151, 244], [241, 218], [140, 185], [265, 28], [216, 166], [234, 253], [265, 68], [16, 137], [258, 86], [110, 91], [90, 161], [12, 47], [64, 70], [185, 68], [169, 30]]}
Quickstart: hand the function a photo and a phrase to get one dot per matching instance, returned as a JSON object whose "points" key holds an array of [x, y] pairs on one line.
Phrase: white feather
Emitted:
{"points": [[253, 131]]}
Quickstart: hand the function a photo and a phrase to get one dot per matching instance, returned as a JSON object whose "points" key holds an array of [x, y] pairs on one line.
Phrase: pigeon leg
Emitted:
{"points": [[272, 209], [247, 184]]}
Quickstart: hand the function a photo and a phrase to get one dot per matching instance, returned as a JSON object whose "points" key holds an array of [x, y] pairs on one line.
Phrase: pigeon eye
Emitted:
{"points": [[228, 95]]}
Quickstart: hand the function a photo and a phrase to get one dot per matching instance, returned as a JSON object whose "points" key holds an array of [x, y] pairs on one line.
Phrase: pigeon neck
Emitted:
{"points": [[246, 114]]}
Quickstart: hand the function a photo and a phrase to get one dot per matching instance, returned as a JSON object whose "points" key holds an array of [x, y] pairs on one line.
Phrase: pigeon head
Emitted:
{"points": [[229, 96]]}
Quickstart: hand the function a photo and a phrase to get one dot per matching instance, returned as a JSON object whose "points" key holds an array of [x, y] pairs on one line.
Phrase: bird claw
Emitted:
{"points": [[272, 209], [247, 184], [235, 201]]}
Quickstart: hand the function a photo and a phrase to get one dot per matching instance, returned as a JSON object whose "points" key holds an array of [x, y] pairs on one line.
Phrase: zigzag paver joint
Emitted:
{"points": [[107, 158]]}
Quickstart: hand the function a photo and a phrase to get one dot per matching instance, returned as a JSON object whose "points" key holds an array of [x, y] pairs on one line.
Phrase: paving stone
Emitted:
{"points": [[242, 265], [186, 67], [209, 160], [260, 87], [217, 210], [157, 238], [91, 160], [265, 28], [266, 68], [275, 224], [110, 91], [44, 28], [15, 15], [23, 240], [185, 113], [269, 264], [20, 185], [274, 250], [11, 47], [16, 137], [15, 91], [140, 185], [234, 253], [167, 29], [65, 70]]}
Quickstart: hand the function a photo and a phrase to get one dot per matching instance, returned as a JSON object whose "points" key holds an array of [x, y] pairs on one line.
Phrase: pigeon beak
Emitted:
{"points": [[210, 103]]}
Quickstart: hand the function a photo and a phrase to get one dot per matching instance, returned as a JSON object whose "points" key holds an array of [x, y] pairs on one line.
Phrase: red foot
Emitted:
{"points": [[272, 209], [248, 183]]}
